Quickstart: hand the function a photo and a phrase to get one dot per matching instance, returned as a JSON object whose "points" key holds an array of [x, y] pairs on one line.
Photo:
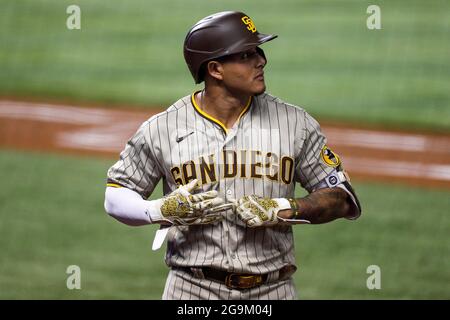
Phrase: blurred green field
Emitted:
{"points": [[130, 53], [52, 216]]}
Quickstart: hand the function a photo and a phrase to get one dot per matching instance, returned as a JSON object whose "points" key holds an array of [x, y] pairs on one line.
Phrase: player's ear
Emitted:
{"points": [[215, 69]]}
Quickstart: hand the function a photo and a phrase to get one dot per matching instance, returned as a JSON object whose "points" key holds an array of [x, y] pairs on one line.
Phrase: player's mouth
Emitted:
{"points": [[260, 76]]}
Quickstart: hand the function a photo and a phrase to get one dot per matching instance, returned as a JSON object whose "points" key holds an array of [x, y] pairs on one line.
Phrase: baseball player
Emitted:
{"points": [[229, 157]]}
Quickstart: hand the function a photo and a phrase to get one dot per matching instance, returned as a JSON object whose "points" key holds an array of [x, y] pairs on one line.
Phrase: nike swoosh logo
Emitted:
{"points": [[179, 139]]}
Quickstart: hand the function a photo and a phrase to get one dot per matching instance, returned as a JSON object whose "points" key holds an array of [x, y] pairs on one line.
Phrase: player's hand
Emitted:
{"points": [[257, 211], [181, 207]]}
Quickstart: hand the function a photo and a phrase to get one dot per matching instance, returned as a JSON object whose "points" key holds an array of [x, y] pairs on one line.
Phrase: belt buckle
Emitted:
{"points": [[239, 281]]}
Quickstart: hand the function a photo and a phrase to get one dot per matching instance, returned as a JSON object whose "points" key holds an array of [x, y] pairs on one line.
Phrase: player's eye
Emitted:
{"points": [[247, 55]]}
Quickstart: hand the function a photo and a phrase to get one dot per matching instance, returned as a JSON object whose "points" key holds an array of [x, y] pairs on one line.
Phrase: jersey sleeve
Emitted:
{"points": [[315, 160], [137, 168]]}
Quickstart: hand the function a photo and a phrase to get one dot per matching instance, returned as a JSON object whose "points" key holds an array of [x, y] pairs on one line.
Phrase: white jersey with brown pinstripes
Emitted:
{"points": [[272, 146]]}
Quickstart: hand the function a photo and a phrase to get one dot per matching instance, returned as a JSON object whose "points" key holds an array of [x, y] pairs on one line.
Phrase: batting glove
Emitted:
{"points": [[257, 211], [181, 207]]}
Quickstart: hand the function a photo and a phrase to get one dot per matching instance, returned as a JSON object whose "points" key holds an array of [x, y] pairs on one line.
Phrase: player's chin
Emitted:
{"points": [[259, 88]]}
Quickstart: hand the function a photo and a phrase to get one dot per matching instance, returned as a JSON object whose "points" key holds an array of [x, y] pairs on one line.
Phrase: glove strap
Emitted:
{"points": [[290, 203], [153, 211]]}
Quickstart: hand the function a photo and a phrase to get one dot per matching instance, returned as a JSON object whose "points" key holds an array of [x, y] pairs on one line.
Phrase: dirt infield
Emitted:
{"points": [[368, 154]]}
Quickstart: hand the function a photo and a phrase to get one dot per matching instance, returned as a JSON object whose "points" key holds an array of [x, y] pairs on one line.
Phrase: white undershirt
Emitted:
{"points": [[128, 207]]}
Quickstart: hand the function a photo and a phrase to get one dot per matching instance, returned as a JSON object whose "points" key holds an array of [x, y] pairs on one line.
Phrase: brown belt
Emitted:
{"points": [[238, 280]]}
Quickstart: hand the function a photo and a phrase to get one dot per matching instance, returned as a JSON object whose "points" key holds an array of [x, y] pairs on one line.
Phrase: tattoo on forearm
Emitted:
{"points": [[324, 205]]}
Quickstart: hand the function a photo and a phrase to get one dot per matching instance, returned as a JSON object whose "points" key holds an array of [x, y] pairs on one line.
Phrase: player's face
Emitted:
{"points": [[243, 72]]}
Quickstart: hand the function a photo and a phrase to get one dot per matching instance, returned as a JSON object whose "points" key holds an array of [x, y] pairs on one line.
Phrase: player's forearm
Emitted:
{"points": [[127, 206], [322, 206]]}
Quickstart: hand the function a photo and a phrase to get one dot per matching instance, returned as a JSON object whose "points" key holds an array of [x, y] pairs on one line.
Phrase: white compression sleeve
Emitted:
{"points": [[128, 207]]}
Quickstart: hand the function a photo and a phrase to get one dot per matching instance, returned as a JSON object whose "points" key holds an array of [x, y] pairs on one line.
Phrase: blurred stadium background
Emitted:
{"points": [[130, 53]]}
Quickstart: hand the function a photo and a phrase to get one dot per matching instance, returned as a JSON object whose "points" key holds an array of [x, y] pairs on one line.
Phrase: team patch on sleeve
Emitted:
{"points": [[329, 157]]}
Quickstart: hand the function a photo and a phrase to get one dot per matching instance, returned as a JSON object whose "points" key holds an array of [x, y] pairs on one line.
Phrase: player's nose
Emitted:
{"points": [[260, 62]]}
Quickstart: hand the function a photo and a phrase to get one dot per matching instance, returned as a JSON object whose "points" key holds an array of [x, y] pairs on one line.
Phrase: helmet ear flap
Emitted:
{"points": [[261, 53]]}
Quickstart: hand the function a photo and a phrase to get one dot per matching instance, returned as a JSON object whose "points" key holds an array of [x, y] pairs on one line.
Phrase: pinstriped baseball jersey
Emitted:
{"points": [[271, 147]]}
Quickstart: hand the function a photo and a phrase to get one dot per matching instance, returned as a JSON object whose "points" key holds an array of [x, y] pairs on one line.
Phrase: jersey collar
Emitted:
{"points": [[211, 118]]}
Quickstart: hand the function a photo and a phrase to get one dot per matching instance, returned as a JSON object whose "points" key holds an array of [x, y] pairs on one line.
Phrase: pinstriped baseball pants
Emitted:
{"points": [[181, 285]]}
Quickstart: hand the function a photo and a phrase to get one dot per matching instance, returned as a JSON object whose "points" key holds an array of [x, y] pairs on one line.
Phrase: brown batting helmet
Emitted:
{"points": [[219, 35]]}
